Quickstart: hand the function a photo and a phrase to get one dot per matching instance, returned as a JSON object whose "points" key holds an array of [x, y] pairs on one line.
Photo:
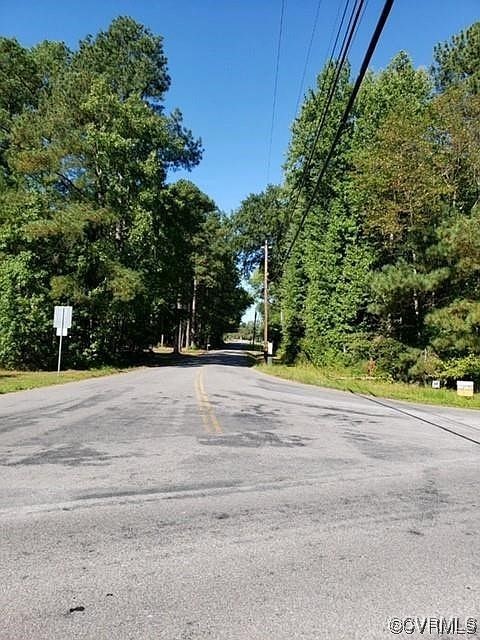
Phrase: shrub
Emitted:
{"points": [[392, 357], [428, 365], [357, 348], [466, 368]]}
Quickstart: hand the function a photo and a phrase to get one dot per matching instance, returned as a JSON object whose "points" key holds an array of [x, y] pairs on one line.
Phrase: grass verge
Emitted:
{"points": [[21, 380], [345, 380]]}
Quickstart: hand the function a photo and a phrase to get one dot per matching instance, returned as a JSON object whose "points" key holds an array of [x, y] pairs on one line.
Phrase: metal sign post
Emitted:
{"points": [[62, 321], [59, 355]]}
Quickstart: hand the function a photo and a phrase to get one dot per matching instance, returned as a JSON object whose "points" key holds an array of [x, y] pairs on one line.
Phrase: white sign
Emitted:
{"points": [[435, 384], [464, 388], [62, 319]]}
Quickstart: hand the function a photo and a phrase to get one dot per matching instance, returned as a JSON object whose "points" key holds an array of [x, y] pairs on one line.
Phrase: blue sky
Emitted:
{"points": [[222, 58]]}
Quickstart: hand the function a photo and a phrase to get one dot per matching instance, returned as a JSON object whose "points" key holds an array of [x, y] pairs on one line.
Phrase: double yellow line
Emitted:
{"points": [[210, 421]]}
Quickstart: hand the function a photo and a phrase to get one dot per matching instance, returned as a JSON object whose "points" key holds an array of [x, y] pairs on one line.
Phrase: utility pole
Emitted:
{"points": [[265, 304], [254, 329]]}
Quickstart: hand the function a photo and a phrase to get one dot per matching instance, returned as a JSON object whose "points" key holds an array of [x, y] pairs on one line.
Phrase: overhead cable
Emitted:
{"points": [[344, 119], [275, 89]]}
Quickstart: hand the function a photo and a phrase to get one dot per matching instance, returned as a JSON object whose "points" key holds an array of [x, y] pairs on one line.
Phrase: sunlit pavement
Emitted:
{"points": [[211, 501]]}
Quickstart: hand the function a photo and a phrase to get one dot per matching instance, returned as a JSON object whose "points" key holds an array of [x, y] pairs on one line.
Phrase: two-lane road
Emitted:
{"points": [[211, 501]]}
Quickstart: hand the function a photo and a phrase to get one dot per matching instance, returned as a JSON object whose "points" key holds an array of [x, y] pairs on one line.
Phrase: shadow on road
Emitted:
{"points": [[235, 354]]}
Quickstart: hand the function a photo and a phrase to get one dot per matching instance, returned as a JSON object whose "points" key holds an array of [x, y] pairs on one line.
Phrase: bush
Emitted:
{"points": [[466, 368], [427, 366], [357, 348], [392, 357], [317, 352]]}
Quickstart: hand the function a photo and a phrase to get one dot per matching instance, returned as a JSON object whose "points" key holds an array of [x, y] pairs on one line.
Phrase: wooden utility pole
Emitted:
{"points": [[265, 303]]}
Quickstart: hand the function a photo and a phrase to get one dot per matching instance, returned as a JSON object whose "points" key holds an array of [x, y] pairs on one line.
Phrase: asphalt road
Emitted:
{"points": [[211, 501]]}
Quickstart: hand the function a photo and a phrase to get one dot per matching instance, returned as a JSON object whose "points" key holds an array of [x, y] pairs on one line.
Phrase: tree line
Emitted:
{"points": [[386, 267], [87, 214]]}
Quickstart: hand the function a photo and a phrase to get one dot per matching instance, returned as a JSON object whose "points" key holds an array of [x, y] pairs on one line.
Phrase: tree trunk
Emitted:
{"points": [[187, 333], [416, 302], [193, 337]]}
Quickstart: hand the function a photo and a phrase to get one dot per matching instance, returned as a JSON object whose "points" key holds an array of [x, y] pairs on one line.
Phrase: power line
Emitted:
{"points": [[345, 47], [275, 89], [352, 25], [343, 122], [307, 57], [346, 43]]}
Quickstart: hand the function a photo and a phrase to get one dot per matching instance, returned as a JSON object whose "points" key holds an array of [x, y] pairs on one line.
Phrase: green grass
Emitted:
{"points": [[348, 380], [21, 380]]}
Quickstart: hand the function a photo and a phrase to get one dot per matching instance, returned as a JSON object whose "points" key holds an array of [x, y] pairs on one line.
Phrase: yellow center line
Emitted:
{"points": [[200, 400], [210, 420]]}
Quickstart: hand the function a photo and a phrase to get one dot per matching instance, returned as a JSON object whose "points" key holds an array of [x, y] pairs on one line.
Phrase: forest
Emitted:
{"points": [[384, 272], [377, 266], [89, 214]]}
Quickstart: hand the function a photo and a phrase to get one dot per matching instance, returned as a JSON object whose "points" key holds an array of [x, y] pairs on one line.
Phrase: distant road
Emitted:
{"points": [[210, 501]]}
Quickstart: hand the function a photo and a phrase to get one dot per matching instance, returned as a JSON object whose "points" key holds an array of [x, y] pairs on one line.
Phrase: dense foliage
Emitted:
{"points": [[87, 216], [386, 268]]}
